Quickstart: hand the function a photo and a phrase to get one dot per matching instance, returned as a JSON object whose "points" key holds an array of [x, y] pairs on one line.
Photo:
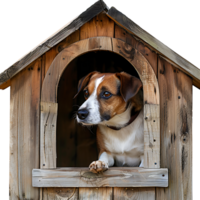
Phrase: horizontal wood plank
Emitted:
{"points": [[114, 177]]}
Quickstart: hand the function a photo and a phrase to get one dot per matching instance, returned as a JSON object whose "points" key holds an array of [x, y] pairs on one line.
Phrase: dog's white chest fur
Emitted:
{"points": [[127, 144]]}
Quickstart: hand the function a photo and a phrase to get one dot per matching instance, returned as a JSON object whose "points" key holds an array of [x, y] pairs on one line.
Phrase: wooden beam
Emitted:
{"points": [[114, 177], [71, 27], [159, 47]]}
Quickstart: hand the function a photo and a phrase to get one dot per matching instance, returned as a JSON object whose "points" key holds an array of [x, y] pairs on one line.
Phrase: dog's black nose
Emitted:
{"points": [[82, 114]]}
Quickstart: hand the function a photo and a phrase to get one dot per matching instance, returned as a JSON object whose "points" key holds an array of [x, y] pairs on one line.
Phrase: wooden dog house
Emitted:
{"points": [[50, 153]]}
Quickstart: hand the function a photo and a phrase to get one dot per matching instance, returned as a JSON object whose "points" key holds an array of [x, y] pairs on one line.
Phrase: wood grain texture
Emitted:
{"points": [[144, 69], [114, 177], [95, 193], [60, 194], [134, 194], [151, 136], [133, 28], [84, 17], [176, 131], [48, 120], [24, 132], [141, 46], [100, 25]]}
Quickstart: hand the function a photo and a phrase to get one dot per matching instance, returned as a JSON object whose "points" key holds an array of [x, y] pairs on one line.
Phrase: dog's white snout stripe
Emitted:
{"points": [[92, 105]]}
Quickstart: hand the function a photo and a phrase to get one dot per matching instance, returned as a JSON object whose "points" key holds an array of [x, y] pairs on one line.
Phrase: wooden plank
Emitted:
{"points": [[8, 143], [144, 69], [114, 177], [141, 46], [74, 25], [95, 193], [24, 145], [48, 124], [176, 130], [13, 173], [133, 28], [60, 194], [134, 193], [100, 25], [151, 136]]}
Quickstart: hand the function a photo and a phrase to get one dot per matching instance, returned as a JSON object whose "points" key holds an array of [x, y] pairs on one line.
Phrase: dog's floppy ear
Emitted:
{"points": [[84, 81], [130, 85]]}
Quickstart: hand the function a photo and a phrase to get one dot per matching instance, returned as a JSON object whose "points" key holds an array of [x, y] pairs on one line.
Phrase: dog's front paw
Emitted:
{"points": [[98, 166]]}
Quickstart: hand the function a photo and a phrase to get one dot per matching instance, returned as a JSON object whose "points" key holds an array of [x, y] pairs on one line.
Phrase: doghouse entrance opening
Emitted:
{"points": [[76, 144]]}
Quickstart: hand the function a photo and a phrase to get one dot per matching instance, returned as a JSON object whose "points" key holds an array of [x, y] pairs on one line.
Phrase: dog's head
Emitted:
{"points": [[107, 95]]}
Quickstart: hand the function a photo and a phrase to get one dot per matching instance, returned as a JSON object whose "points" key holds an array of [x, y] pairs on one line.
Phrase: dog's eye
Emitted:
{"points": [[86, 94], [106, 95]]}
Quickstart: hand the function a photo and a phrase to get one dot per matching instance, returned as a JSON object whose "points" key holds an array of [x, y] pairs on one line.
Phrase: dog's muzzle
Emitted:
{"points": [[82, 114]]}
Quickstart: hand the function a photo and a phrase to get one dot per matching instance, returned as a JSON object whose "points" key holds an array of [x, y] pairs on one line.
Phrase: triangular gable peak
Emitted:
{"points": [[88, 19]]}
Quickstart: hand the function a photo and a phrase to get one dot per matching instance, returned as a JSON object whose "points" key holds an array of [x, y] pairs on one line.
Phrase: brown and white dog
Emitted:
{"points": [[114, 102]]}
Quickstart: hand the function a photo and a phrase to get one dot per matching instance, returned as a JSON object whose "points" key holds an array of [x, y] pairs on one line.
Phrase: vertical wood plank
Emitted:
{"points": [[8, 143], [176, 131], [13, 176], [100, 25], [60, 194], [24, 152], [48, 135], [134, 194], [95, 193], [152, 136]]}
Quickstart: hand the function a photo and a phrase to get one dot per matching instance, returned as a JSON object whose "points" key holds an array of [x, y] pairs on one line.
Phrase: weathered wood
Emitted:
{"points": [[134, 194], [5, 85], [8, 141], [48, 122], [151, 56], [133, 28], [100, 25], [95, 193], [151, 136], [24, 132], [90, 13], [144, 69], [176, 131], [13, 176], [114, 177], [64, 58], [143, 48], [60, 194]]}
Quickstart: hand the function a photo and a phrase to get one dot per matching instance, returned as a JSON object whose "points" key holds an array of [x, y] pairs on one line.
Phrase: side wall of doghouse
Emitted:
{"points": [[176, 124]]}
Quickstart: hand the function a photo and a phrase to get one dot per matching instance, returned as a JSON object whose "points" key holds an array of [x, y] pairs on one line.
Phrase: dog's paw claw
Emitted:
{"points": [[98, 166]]}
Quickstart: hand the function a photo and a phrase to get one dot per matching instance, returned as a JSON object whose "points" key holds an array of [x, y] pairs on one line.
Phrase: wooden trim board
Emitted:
{"points": [[113, 177]]}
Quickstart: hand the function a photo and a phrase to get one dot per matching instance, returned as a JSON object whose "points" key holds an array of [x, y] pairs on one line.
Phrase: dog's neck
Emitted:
{"points": [[122, 120]]}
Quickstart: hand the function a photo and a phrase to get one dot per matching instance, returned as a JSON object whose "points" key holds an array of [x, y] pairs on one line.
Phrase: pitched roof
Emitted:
{"points": [[122, 21]]}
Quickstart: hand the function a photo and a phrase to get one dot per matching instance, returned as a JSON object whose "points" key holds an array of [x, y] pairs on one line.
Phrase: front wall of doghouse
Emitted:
{"points": [[176, 132]]}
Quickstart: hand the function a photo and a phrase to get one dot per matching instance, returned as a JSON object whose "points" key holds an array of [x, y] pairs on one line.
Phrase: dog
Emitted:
{"points": [[114, 102]]}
